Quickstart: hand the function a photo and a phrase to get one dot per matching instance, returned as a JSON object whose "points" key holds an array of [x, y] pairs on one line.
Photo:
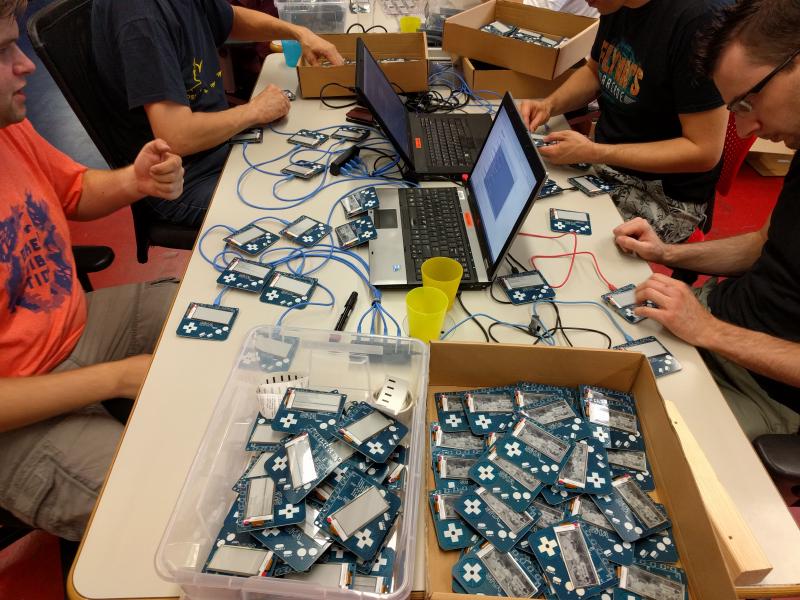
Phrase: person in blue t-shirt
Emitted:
{"points": [[747, 326], [158, 63], [661, 129]]}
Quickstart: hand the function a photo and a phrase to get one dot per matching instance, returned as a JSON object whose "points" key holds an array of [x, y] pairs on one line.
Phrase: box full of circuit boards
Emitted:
{"points": [[307, 481], [527, 39], [556, 473], [403, 57]]}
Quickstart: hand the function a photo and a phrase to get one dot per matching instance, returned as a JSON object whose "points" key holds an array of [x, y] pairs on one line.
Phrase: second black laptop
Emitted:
{"points": [[432, 145]]}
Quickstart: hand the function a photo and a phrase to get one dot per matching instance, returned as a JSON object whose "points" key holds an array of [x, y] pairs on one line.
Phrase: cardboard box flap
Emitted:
{"points": [[387, 45], [543, 20], [453, 364], [701, 554]]}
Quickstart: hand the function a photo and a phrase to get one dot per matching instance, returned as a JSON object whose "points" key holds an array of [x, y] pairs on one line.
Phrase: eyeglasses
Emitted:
{"points": [[740, 104]]}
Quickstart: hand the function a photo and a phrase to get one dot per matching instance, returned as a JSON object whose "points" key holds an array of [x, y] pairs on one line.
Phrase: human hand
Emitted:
{"points": [[535, 112], [315, 49], [638, 237], [158, 171], [269, 105], [677, 308], [131, 372], [570, 148]]}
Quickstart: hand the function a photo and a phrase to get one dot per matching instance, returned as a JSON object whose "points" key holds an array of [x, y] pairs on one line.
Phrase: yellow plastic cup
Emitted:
{"points": [[426, 307], [443, 273], [409, 24]]}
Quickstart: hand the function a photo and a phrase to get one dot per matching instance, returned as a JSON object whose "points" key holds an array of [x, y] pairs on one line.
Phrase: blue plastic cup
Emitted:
{"points": [[292, 51]]}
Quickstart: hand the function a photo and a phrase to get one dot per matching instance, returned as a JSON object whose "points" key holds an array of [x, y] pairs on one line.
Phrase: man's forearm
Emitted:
{"points": [[106, 191], [27, 400], [254, 26], [576, 92], [770, 356], [189, 132], [729, 256], [678, 155]]}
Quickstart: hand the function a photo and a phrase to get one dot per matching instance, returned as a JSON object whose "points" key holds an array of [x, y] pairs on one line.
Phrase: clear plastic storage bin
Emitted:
{"points": [[354, 364], [328, 16]]}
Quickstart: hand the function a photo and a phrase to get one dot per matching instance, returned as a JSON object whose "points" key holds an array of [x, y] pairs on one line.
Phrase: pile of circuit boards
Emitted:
{"points": [[321, 496], [545, 492], [524, 35]]}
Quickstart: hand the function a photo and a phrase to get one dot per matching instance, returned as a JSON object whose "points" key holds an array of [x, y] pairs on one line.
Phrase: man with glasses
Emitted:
{"points": [[661, 131], [747, 326]]}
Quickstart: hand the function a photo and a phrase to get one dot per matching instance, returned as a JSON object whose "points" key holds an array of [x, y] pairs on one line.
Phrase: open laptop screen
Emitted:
{"points": [[502, 182], [381, 99]]}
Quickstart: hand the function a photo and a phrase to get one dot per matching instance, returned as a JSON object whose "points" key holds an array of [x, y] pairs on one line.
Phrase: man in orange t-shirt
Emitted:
{"points": [[62, 352]]}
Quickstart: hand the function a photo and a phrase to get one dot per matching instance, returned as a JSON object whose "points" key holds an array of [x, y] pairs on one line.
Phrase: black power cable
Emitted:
{"points": [[473, 318]]}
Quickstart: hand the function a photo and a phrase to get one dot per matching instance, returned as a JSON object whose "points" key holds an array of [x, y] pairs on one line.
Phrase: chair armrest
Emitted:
{"points": [[91, 259], [780, 454]]}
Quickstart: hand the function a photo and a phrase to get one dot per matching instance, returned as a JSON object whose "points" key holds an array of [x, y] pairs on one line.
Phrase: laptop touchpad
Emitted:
{"points": [[385, 218]]}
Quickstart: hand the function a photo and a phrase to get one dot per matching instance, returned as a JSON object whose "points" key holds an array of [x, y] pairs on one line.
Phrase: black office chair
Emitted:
{"points": [[781, 457], [91, 259], [61, 35]]}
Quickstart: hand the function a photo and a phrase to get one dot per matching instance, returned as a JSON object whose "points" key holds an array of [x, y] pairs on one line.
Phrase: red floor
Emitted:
{"points": [[30, 569]]}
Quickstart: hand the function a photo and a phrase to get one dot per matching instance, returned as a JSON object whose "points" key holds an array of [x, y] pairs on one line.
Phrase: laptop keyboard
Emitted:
{"points": [[449, 142], [436, 228]]}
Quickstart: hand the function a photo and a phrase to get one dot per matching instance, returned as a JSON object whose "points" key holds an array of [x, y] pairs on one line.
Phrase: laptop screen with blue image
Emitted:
{"points": [[502, 183]]}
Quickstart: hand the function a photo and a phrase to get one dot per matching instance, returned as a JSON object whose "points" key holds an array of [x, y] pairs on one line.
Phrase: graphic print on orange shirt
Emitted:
{"points": [[40, 273]]}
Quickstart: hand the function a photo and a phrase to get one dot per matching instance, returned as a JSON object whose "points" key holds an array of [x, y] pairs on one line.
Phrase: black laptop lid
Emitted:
{"points": [[377, 93], [507, 176]]}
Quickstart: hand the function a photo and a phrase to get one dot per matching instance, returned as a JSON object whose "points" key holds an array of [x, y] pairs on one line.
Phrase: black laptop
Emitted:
{"points": [[475, 224], [430, 144]]}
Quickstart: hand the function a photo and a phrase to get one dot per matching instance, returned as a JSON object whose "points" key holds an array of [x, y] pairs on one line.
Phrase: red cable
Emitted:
{"points": [[572, 254]]}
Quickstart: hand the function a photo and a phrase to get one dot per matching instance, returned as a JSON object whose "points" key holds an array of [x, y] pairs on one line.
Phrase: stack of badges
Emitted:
{"points": [[320, 496], [540, 39], [554, 505], [498, 28]]}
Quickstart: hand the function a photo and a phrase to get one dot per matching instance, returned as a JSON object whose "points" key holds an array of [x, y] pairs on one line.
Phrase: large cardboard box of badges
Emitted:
{"points": [[530, 40], [469, 366], [491, 82], [403, 57]]}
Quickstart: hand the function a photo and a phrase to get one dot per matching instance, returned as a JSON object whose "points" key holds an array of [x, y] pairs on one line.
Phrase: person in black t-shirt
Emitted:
{"points": [[159, 65], [661, 130], [750, 334]]}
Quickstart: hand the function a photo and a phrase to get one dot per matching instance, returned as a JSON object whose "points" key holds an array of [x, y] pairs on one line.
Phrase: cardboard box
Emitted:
{"points": [[770, 159], [483, 76], [462, 37], [455, 365], [411, 75]]}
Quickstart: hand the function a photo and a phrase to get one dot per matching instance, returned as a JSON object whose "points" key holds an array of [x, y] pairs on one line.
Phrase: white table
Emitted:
{"points": [[116, 558]]}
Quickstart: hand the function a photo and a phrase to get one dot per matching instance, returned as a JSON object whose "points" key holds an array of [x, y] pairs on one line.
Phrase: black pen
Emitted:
{"points": [[348, 309]]}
